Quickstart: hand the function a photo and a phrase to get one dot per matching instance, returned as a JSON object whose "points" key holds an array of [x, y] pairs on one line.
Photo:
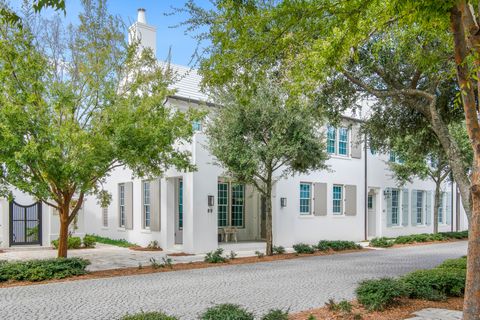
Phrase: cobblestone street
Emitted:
{"points": [[297, 284]]}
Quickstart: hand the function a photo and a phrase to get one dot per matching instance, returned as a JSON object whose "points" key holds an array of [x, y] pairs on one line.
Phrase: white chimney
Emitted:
{"points": [[142, 32], [141, 16]]}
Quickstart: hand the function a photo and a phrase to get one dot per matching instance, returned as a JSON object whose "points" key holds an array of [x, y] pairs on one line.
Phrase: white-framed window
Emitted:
{"points": [[419, 206], [338, 140], [305, 198], [231, 204], [393, 157], [441, 209], [121, 199], [105, 217], [146, 204], [395, 207], [337, 199]]}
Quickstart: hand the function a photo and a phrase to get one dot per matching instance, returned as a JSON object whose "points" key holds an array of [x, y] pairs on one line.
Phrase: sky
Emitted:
{"points": [[183, 46]]}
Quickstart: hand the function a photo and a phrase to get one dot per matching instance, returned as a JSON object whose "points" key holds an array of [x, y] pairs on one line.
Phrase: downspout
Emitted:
{"points": [[451, 211], [457, 208], [366, 192]]}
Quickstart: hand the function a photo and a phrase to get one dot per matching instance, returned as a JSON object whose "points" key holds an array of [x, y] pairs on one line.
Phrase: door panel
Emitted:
{"points": [[179, 212], [372, 216]]}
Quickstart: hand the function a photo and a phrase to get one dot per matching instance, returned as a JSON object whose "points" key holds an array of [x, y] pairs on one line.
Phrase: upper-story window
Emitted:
{"points": [[337, 140], [197, 125], [393, 157]]}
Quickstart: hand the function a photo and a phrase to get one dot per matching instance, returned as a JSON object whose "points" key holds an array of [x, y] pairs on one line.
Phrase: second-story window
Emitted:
{"points": [[337, 140]]}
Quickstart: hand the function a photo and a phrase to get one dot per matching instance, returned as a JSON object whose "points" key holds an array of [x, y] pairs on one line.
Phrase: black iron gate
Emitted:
{"points": [[25, 224]]}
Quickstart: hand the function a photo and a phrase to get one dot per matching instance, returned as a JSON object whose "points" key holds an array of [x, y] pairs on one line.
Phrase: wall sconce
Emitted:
{"points": [[387, 193], [283, 202], [211, 201]]}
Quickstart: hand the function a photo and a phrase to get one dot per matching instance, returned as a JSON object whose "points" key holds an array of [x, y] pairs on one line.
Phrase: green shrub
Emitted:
{"points": [[72, 243], [276, 314], [114, 242], [149, 316], [376, 295], [303, 248], [226, 312], [343, 306], [215, 256], [259, 254], [89, 241], [381, 242], [404, 240], [39, 270], [336, 245], [455, 235], [435, 284], [278, 250], [460, 263]]}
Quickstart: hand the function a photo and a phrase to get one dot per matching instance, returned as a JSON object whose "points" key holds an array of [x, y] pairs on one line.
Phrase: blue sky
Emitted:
{"points": [[182, 45]]}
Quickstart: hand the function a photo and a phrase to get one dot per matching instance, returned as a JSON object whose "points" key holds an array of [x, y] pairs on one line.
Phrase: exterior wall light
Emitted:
{"points": [[283, 202]]}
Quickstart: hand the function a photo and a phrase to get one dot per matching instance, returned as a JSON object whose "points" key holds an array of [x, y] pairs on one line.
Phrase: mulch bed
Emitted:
{"points": [[180, 254], [402, 310], [175, 267], [138, 248]]}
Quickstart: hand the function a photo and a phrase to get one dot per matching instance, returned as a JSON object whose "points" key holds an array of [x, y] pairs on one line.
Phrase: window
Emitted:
{"points": [[370, 202], [146, 204], [180, 204], [419, 207], [395, 206], [238, 193], [105, 217], [440, 208], [231, 204], [197, 125], [337, 141], [337, 199], [122, 205], [222, 204], [305, 198], [331, 140], [394, 157], [343, 141]]}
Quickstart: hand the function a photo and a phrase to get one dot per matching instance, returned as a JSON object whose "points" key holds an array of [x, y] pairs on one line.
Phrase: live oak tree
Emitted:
{"points": [[261, 134], [317, 41], [77, 103]]}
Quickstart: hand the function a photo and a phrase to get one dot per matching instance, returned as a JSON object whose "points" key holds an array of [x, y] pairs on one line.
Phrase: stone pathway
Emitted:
{"points": [[296, 284], [437, 314]]}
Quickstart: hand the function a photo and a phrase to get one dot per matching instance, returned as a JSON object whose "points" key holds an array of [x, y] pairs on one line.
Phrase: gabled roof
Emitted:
{"points": [[186, 82]]}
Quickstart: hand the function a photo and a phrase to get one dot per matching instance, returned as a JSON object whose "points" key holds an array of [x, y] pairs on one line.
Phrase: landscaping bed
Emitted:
{"points": [[415, 239], [402, 310]]}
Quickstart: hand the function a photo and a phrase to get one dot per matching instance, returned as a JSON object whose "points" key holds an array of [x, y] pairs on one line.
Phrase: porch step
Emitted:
{"points": [[26, 248]]}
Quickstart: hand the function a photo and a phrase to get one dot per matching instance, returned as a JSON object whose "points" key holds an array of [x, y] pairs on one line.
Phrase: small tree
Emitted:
{"points": [[77, 105], [260, 136]]}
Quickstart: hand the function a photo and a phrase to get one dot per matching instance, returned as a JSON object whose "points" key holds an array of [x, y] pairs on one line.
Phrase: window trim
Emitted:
{"points": [[398, 207], [105, 217], [229, 205], [422, 207], [342, 199], [180, 204], [310, 198], [336, 139], [144, 205], [122, 206]]}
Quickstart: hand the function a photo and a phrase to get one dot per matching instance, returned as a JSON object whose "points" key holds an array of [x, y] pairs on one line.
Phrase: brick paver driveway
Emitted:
{"points": [[298, 284]]}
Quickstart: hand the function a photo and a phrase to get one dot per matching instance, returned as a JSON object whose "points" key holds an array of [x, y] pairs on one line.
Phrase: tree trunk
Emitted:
{"points": [[436, 206], [65, 220], [268, 222]]}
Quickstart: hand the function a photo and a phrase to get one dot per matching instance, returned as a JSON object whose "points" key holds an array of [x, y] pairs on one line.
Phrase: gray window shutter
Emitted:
{"points": [[389, 206], [356, 142], [129, 205], [405, 208], [448, 208], [350, 200], [320, 199], [413, 201], [428, 213], [155, 205]]}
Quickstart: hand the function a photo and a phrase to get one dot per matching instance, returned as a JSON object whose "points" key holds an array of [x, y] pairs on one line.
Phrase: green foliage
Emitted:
{"points": [[226, 311], [460, 263], [215, 256], [303, 248], [337, 245], [40, 270], [89, 241], [436, 284], [343, 306], [259, 254], [278, 250], [276, 314], [153, 245], [114, 242], [232, 255], [381, 242], [72, 243], [311, 317], [455, 235], [148, 316], [166, 263], [376, 295]]}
